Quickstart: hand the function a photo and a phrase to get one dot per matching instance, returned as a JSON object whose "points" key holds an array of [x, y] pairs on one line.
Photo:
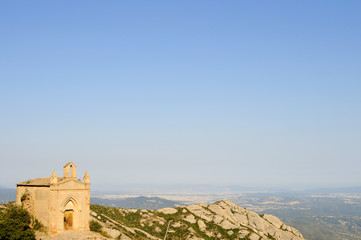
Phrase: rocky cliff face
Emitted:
{"points": [[220, 220]]}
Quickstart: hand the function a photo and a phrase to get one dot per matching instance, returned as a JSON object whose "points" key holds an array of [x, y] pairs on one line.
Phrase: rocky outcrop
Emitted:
{"points": [[231, 216], [220, 220]]}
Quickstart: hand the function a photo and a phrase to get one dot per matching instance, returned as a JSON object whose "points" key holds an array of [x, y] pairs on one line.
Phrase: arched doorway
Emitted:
{"points": [[69, 215]]}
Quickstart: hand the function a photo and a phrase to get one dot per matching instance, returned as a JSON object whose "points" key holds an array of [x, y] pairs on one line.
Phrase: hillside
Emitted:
{"points": [[220, 220]]}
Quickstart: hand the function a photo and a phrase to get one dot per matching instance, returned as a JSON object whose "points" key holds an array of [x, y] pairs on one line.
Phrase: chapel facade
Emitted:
{"points": [[60, 203]]}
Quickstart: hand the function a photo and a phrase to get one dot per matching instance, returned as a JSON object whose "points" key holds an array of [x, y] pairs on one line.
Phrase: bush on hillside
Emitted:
{"points": [[14, 224], [95, 226]]}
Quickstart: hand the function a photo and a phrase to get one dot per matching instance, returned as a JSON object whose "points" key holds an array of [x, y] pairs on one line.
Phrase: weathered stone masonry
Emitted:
{"points": [[60, 203]]}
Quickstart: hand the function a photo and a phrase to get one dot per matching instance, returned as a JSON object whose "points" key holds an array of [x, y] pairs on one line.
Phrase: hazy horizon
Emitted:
{"points": [[191, 92]]}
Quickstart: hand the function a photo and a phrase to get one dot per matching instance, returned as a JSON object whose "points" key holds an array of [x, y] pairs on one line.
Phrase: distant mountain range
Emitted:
{"points": [[149, 203], [7, 194], [336, 190]]}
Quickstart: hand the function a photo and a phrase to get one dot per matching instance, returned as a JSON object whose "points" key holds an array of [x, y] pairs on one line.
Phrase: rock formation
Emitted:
{"points": [[220, 220]]}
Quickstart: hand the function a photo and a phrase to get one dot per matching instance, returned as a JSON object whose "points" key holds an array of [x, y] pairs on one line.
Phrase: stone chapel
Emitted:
{"points": [[59, 203]]}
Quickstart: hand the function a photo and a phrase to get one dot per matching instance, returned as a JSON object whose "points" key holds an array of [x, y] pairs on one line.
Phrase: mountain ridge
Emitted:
{"points": [[220, 220]]}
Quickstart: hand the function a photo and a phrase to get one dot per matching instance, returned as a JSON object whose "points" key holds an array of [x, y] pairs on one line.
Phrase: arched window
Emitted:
{"points": [[70, 170]]}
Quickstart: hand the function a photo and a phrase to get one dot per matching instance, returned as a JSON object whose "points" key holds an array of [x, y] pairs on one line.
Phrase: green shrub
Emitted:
{"points": [[23, 197], [95, 226], [14, 224], [37, 225]]}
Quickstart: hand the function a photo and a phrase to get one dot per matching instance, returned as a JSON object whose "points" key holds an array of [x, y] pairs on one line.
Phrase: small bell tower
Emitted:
{"points": [[70, 170]]}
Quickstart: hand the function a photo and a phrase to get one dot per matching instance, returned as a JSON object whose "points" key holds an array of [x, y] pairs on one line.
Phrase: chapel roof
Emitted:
{"points": [[69, 163], [39, 182]]}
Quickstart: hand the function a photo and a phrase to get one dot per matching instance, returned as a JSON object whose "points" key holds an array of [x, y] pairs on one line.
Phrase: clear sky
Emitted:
{"points": [[252, 93]]}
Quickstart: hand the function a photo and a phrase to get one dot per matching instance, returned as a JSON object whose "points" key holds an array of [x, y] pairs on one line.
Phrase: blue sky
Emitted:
{"points": [[253, 93]]}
